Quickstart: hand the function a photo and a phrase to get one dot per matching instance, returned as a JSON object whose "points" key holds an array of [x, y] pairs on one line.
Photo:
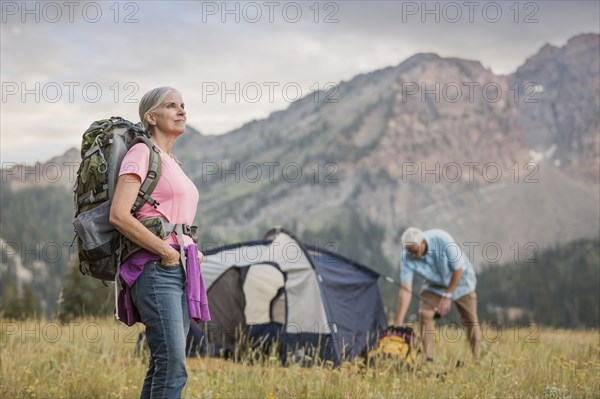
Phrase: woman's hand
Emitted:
{"points": [[171, 258], [200, 257]]}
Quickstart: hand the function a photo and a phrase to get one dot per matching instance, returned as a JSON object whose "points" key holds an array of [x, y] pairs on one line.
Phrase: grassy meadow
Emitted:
{"points": [[94, 358]]}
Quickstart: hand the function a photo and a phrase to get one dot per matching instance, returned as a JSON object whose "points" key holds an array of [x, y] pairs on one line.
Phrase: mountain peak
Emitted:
{"points": [[564, 116], [584, 38], [589, 42], [71, 155], [421, 58]]}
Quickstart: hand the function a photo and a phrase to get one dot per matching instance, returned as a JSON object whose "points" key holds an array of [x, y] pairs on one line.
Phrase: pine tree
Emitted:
{"points": [[11, 304], [84, 296], [18, 306], [30, 304]]}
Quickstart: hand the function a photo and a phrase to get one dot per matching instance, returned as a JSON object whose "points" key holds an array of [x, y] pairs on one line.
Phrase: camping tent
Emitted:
{"points": [[313, 302]]}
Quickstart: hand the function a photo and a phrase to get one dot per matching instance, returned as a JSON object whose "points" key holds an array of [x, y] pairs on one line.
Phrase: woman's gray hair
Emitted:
{"points": [[150, 102], [410, 235]]}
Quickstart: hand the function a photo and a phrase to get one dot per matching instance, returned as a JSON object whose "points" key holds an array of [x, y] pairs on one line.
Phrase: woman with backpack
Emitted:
{"points": [[156, 277]]}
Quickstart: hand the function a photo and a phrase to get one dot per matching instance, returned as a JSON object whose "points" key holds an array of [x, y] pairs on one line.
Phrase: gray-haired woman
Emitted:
{"points": [[154, 276]]}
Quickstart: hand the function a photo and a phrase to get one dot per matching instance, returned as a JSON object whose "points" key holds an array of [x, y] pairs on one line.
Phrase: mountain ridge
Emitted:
{"points": [[400, 147]]}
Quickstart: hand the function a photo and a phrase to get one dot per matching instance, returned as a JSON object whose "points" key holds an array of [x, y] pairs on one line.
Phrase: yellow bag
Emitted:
{"points": [[394, 343]]}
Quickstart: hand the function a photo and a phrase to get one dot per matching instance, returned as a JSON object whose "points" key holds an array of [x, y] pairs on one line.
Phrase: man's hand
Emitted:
{"points": [[444, 306], [200, 257]]}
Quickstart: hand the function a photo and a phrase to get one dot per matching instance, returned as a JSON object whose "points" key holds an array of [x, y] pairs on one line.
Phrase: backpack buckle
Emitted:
{"points": [[191, 231]]}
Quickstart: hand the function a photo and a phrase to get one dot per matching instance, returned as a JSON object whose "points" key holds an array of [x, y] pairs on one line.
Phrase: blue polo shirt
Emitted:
{"points": [[437, 265]]}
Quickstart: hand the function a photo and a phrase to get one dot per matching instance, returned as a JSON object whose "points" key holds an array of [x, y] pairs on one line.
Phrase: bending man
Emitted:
{"points": [[449, 276]]}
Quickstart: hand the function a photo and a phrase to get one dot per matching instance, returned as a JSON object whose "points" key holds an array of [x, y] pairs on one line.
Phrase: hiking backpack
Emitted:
{"points": [[103, 147], [394, 343]]}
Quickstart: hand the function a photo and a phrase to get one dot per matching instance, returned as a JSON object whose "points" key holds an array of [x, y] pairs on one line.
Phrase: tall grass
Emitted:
{"points": [[94, 358]]}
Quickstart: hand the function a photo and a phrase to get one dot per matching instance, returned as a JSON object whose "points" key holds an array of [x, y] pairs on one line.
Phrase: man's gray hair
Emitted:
{"points": [[412, 234], [150, 102]]}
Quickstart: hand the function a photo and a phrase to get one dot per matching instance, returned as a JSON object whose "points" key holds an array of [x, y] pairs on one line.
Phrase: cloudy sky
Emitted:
{"points": [[66, 64]]}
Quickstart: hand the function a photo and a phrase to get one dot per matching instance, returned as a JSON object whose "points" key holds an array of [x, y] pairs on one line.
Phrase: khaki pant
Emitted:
{"points": [[467, 307]]}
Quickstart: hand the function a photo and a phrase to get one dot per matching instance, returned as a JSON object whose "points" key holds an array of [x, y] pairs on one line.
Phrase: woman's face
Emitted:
{"points": [[169, 117]]}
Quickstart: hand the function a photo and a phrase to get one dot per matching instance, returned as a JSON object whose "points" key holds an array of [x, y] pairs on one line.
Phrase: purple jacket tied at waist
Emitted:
{"points": [[131, 269]]}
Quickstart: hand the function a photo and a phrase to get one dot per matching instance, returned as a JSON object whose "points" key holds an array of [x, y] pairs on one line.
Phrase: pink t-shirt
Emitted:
{"points": [[175, 192], [177, 197]]}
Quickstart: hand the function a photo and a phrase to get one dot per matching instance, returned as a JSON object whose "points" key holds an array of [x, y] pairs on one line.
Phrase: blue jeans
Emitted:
{"points": [[160, 297]]}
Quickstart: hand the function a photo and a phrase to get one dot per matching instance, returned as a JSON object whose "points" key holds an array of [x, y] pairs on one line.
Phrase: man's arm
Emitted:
{"points": [[446, 303], [403, 302], [454, 280]]}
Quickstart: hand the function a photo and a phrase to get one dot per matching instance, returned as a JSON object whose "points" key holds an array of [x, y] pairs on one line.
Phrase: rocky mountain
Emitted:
{"points": [[559, 113], [431, 142], [58, 171]]}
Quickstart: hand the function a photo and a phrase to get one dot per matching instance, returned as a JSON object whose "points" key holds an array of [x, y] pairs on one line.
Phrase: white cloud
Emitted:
{"points": [[183, 45]]}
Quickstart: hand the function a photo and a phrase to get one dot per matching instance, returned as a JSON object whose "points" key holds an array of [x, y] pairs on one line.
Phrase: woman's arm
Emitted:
{"points": [[126, 192]]}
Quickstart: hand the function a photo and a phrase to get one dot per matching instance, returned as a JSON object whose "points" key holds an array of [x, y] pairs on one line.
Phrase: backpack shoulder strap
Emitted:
{"points": [[154, 171]]}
